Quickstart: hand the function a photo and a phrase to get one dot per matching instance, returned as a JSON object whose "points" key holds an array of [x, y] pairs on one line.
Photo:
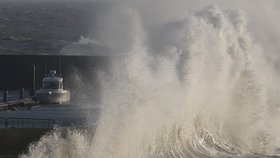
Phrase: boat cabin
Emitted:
{"points": [[52, 81], [52, 90]]}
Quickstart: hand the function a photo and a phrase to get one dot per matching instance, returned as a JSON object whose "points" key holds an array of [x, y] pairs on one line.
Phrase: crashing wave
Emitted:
{"points": [[210, 93]]}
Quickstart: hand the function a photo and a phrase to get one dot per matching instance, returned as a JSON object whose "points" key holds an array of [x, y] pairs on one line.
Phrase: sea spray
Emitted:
{"points": [[210, 94], [214, 73], [61, 143]]}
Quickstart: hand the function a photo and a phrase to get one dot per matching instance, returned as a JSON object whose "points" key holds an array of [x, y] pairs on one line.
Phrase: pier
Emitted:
{"points": [[10, 101]]}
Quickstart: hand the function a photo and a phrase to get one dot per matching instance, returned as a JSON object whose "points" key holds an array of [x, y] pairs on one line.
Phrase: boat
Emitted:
{"points": [[52, 91]]}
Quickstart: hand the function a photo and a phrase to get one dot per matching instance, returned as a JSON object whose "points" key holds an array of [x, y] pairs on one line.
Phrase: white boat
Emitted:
{"points": [[52, 91]]}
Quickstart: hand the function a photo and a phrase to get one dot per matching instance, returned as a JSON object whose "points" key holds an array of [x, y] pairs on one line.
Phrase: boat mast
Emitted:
{"points": [[34, 79], [59, 58], [46, 65]]}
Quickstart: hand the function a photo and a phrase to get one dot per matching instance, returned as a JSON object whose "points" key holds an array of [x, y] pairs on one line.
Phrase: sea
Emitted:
{"points": [[187, 80]]}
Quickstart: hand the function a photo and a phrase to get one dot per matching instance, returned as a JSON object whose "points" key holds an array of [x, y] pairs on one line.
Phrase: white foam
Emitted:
{"points": [[209, 92]]}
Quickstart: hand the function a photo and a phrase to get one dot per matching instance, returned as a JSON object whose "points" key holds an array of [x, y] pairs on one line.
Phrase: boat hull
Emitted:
{"points": [[53, 97]]}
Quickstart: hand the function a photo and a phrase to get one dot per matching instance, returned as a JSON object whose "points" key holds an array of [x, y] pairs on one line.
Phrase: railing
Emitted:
{"points": [[26, 123], [10, 95]]}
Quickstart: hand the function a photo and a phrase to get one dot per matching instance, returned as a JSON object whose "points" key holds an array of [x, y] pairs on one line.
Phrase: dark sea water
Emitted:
{"points": [[41, 27]]}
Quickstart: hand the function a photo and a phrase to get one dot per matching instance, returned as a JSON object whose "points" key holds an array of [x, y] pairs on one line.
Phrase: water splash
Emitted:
{"points": [[209, 93]]}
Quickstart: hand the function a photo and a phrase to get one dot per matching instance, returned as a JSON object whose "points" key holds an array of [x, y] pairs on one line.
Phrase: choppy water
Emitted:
{"points": [[45, 27], [200, 87]]}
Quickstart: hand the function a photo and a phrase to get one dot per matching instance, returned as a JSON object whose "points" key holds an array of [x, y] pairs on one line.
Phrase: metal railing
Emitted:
{"points": [[26, 123], [10, 95]]}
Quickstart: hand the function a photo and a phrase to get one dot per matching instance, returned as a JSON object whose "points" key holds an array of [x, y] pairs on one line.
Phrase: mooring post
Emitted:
{"points": [[21, 93], [5, 96]]}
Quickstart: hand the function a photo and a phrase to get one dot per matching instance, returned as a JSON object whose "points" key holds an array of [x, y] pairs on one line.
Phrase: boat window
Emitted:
{"points": [[51, 85]]}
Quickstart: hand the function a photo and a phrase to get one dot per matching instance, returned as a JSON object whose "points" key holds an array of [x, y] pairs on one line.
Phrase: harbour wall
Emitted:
{"points": [[16, 140]]}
